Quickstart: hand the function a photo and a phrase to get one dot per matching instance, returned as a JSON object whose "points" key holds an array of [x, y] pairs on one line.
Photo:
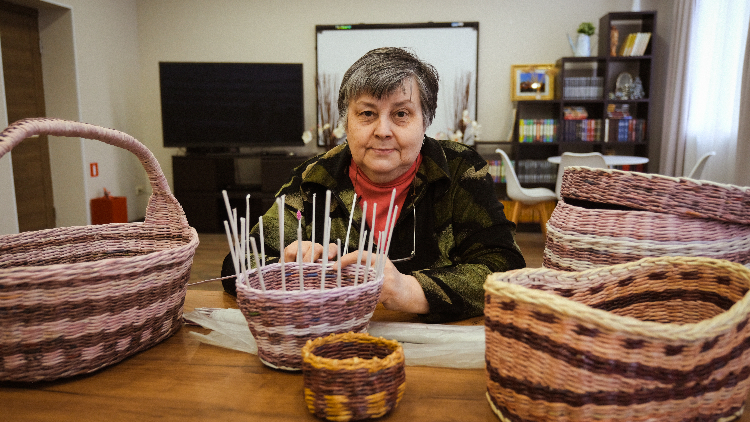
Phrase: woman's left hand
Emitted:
{"points": [[400, 292]]}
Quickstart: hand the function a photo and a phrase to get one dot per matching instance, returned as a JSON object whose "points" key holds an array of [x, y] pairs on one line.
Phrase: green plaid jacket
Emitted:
{"points": [[462, 234]]}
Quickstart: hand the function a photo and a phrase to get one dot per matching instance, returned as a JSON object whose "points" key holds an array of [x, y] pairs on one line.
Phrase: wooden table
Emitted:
{"points": [[183, 379]]}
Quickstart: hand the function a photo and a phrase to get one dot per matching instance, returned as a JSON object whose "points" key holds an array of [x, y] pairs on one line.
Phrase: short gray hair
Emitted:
{"points": [[382, 71]]}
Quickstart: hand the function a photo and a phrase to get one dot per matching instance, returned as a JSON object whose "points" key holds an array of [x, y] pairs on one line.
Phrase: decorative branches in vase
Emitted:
{"points": [[330, 132]]}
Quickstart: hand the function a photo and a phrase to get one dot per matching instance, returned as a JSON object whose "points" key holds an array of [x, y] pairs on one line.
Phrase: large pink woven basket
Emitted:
{"points": [[653, 192], [77, 299], [283, 320], [608, 217]]}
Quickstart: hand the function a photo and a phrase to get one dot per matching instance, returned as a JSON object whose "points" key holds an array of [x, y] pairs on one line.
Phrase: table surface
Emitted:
{"points": [[612, 160], [186, 380]]}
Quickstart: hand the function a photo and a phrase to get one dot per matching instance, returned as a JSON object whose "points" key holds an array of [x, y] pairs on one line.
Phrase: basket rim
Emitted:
{"points": [[192, 244], [372, 281], [373, 364], [496, 283], [661, 176]]}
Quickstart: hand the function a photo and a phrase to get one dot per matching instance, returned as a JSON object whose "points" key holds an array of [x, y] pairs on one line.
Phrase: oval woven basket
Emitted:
{"points": [[353, 376], [581, 238], [658, 339], [283, 318], [653, 192], [77, 299]]}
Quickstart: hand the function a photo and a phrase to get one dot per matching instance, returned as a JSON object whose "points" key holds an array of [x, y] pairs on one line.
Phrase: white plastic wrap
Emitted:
{"points": [[450, 346]]}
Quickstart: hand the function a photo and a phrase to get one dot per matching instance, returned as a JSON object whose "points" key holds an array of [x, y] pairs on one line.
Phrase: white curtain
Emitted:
{"points": [[704, 86]]}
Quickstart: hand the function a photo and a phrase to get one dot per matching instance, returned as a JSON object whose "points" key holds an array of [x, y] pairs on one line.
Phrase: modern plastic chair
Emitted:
{"points": [[567, 159], [535, 198], [697, 170]]}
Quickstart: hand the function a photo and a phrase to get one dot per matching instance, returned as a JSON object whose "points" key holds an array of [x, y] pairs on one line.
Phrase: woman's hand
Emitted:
{"points": [[290, 252], [400, 292]]}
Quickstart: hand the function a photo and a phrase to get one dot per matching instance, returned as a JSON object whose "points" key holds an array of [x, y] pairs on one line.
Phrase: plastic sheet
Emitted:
{"points": [[449, 346]]}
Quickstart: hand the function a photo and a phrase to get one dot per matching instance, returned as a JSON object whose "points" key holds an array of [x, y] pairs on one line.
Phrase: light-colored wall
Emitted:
{"points": [[510, 32], [110, 74]]}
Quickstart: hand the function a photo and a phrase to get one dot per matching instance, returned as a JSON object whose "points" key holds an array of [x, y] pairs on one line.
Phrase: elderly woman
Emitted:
{"points": [[450, 231]]}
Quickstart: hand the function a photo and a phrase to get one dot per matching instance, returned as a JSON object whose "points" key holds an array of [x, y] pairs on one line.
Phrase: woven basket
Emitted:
{"points": [[353, 376], [585, 232], [77, 299], [282, 320], [653, 192], [659, 339]]}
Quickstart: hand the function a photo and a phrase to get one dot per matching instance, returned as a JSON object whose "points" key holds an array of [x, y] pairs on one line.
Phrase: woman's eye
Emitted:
{"points": [[367, 113], [401, 115]]}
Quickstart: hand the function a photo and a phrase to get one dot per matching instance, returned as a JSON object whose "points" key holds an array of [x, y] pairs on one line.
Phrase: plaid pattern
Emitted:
{"points": [[462, 234]]}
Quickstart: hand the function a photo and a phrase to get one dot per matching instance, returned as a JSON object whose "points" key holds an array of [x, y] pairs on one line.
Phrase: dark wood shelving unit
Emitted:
{"points": [[607, 68]]}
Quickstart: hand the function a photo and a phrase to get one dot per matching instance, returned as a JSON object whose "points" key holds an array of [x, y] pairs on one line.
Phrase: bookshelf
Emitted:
{"points": [[602, 102]]}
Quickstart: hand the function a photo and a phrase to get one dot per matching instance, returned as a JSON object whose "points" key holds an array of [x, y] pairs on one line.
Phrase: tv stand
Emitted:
{"points": [[199, 179], [211, 150]]}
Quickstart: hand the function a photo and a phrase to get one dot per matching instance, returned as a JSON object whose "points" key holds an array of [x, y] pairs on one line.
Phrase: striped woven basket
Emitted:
{"points": [[659, 339], [283, 318], [77, 299], [609, 217], [653, 192], [353, 376]]}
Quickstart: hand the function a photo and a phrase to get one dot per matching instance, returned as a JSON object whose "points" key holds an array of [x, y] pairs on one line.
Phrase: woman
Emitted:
{"points": [[450, 231]]}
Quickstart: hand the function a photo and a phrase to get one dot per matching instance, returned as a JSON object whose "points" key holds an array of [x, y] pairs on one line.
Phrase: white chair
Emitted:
{"points": [[536, 198], [567, 159], [697, 170]]}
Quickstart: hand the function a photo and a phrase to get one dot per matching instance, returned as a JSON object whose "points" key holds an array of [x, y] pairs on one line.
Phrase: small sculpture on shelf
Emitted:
{"points": [[637, 89]]}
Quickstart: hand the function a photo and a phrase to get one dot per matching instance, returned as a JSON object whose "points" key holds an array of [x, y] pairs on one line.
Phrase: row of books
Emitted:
{"points": [[497, 170], [586, 130], [537, 130], [635, 44], [529, 171], [625, 130], [583, 88]]}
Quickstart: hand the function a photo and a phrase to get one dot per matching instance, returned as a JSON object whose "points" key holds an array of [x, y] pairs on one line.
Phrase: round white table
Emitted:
{"points": [[612, 160]]}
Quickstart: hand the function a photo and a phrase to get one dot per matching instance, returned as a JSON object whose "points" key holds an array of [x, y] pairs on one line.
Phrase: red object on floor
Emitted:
{"points": [[109, 209]]}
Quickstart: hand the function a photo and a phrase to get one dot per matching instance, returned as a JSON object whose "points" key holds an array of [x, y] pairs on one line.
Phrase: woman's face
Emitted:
{"points": [[385, 136]]}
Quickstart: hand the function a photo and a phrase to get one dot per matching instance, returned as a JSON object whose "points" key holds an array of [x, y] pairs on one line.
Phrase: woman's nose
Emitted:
{"points": [[383, 128]]}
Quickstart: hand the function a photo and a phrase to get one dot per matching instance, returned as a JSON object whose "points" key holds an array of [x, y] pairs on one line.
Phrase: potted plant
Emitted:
{"points": [[583, 46]]}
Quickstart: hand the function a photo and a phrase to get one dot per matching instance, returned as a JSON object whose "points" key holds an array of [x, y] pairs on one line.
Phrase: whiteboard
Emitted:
{"points": [[451, 47]]}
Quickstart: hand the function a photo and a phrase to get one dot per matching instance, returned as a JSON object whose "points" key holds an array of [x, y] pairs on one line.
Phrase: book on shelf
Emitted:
{"points": [[537, 130], [575, 113], [536, 171], [635, 44], [586, 130], [583, 87], [618, 111], [497, 170], [625, 130]]}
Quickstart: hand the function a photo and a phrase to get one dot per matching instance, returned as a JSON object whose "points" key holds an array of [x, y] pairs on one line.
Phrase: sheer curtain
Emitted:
{"points": [[704, 88]]}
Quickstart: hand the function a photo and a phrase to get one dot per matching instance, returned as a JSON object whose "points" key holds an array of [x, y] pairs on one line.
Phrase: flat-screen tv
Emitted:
{"points": [[215, 106]]}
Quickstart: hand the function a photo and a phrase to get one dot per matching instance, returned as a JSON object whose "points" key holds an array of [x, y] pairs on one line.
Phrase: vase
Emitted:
{"points": [[583, 46]]}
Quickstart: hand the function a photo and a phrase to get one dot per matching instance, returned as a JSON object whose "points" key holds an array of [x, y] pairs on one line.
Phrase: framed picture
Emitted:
{"points": [[532, 82]]}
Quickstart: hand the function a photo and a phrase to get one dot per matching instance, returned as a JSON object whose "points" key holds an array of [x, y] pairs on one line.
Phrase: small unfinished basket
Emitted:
{"points": [[608, 217], [662, 339], [353, 376], [77, 299], [282, 320]]}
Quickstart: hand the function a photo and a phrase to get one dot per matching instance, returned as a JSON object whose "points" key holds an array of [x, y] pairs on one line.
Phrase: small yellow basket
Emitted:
{"points": [[352, 376]]}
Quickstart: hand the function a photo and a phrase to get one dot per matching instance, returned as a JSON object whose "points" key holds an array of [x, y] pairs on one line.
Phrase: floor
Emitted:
{"points": [[213, 248]]}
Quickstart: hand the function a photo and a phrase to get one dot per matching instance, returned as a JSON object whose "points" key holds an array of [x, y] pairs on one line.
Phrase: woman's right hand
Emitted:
{"points": [[308, 252]]}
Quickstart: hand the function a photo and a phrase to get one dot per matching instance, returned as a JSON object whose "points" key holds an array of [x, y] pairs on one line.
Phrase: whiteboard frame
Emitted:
{"points": [[452, 47]]}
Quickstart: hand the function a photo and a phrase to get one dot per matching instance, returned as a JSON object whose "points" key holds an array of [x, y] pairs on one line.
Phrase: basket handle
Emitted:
{"points": [[163, 208]]}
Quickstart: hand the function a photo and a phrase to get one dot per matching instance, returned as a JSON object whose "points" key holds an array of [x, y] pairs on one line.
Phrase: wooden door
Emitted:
{"points": [[22, 68]]}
